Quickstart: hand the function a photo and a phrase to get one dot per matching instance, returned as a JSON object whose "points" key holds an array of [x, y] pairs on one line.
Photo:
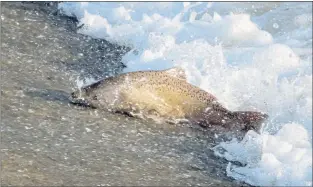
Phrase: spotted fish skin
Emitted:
{"points": [[164, 95]]}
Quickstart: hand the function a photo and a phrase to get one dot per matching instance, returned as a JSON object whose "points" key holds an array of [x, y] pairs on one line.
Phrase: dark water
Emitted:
{"points": [[47, 141]]}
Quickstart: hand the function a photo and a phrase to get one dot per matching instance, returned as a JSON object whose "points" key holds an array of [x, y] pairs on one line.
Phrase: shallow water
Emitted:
{"points": [[47, 141]]}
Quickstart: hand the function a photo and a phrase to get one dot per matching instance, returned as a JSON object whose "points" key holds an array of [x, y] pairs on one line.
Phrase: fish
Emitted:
{"points": [[164, 96]]}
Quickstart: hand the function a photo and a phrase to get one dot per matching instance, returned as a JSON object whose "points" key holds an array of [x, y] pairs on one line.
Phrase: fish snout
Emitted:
{"points": [[75, 97], [80, 98]]}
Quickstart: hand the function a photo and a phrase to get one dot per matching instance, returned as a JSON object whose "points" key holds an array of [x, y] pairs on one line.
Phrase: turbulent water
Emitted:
{"points": [[46, 141], [251, 55]]}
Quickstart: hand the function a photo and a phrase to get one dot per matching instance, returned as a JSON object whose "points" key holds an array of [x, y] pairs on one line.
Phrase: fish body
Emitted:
{"points": [[164, 96]]}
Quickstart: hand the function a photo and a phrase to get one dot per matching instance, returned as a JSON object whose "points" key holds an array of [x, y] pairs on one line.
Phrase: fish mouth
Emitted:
{"points": [[76, 100], [74, 97]]}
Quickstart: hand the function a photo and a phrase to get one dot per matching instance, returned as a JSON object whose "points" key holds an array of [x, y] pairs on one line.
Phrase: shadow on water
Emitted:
{"points": [[57, 96], [50, 95]]}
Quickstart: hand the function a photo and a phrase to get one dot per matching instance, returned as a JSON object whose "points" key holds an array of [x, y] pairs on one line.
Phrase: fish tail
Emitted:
{"points": [[251, 119]]}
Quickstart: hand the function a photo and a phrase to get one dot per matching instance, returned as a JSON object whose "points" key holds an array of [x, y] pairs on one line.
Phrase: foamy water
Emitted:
{"points": [[253, 56]]}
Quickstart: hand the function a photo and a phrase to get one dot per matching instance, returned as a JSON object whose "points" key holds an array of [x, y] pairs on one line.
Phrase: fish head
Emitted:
{"points": [[102, 94], [85, 97], [88, 95]]}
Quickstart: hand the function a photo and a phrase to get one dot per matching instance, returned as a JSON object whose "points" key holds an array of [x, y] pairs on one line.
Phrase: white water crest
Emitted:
{"points": [[252, 55]]}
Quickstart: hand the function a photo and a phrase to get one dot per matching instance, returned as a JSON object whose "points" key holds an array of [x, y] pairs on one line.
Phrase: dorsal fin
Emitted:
{"points": [[177, 72]]}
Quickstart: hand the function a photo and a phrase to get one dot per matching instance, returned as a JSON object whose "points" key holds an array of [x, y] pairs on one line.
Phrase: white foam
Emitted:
{"points": [[84, 82], [285, 159], [253, 56]]}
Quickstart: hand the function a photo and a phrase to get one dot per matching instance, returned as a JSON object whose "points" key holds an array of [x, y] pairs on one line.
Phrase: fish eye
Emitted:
{"points": [[95, 97]]}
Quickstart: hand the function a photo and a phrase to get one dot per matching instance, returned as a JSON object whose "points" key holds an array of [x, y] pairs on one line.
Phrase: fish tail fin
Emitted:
{"points": [[251, 119]]}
